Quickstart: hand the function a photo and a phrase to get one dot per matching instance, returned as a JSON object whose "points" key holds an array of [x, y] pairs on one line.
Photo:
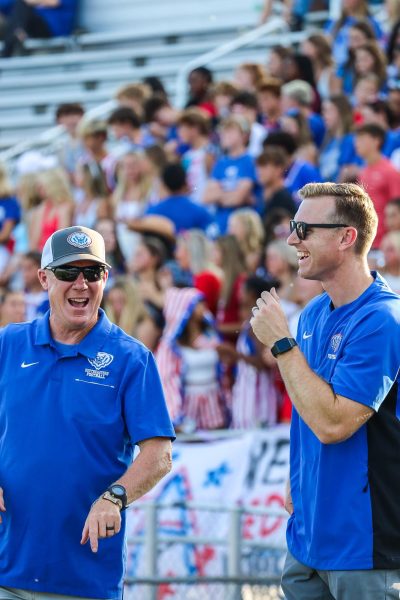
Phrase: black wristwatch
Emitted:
{"points": [[283, 345], [116, 493]]}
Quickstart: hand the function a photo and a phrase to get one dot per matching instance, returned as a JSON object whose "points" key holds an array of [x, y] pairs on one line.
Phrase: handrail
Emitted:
{"points": [[54, 134], [273, 24]]}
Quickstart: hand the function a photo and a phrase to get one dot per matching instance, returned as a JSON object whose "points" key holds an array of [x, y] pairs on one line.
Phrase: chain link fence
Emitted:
{"points": [[187, 551]]}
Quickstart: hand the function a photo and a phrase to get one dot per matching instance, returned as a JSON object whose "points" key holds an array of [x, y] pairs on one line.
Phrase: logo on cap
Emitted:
{"points": [[79, 239]]}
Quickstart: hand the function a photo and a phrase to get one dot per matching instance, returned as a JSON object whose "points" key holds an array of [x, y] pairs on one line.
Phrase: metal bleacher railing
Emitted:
{"points": [[269, 34]]}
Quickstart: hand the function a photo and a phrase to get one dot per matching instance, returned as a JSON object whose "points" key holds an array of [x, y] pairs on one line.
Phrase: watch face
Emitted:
{"points": [[117, 490]]}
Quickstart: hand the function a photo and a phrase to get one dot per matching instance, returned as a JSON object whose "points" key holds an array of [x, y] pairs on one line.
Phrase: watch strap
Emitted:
{"points": [[283, 345], [109, 496]]}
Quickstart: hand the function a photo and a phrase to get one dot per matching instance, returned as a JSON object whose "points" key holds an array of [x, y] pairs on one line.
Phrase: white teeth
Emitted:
{"points": [[302, 254]]}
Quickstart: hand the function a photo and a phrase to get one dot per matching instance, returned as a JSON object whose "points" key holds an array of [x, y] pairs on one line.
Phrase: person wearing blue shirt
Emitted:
{"points": [[342, 375], [233, 178], [299, 172], [37, 19], [76, 395], [177, 206]]}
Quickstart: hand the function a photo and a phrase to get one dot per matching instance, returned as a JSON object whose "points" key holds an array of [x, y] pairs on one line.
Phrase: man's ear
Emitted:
{"points": [[348, 238], [43, 278]]}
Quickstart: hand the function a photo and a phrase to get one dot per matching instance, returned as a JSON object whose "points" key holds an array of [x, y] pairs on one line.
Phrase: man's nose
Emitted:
{"points": [[80, 281], [293, 238]]}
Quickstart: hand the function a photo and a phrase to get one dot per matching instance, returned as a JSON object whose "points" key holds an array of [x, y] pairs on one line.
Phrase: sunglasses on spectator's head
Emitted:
{"points": [[71, 273], [302, 229]]}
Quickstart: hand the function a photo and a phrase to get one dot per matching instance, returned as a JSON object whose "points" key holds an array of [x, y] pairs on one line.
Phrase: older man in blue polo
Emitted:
{"points": [[76, 395]]}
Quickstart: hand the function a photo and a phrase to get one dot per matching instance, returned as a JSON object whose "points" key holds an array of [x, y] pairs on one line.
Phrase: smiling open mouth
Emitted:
{"points": [[302, 255], [78, 302]]}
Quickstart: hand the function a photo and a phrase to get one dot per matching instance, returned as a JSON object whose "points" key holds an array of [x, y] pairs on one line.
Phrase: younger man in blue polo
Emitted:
{"points": [[342, 375]]}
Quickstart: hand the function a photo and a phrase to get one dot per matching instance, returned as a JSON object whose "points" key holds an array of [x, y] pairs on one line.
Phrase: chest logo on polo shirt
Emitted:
{"points": [[102, 360], [335, 343]]}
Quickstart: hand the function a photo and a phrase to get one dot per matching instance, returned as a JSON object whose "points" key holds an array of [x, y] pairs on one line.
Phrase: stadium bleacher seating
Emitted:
{"points": [[88, 68]]}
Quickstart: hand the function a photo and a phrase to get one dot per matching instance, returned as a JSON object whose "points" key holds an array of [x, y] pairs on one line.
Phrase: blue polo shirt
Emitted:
{"points": [[69, 419], [346, 496]]}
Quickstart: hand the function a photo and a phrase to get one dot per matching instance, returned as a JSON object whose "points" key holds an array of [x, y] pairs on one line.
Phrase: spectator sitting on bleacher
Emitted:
{"points": [[161, 119], [369, 58], [248, 76], [255, 397], [69, 116], [379, 176], [193, 257], [338, 118], [360, 32], [126, 128], [318, 49], [352, 10], [298, 94], [276, 61], [392, 215], [36, 298], [298, 171], [223, 93], [295, 123], [233, 177], [133, 96], [271, 166], [183, 212], [55, 210], [37, 19], [194, 129], [247, 227], [130, 198], [188, 362], [269, 103], [245, 103], [200, 82], [93, 134], [12, 307]]}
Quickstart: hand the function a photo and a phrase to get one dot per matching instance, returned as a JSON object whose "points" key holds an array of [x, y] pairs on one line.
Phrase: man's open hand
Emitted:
{"points": [[103, 520]]}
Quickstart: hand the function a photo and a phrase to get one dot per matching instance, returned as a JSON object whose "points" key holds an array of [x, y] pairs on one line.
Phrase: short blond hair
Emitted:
{"points": [[353, 206], [133, 91]]}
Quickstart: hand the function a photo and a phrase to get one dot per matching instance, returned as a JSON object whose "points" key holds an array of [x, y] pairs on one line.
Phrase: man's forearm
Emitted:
{"points": [[235, 198], [152, 464], [315, 401]]}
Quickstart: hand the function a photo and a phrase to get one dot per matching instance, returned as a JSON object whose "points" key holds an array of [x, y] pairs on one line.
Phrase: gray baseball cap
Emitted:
{"points": [[73, 243]]}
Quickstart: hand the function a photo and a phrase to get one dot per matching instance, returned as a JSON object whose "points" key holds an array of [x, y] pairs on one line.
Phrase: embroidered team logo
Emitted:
{"points": [[101, 361], [335, 343], [79, 239]]}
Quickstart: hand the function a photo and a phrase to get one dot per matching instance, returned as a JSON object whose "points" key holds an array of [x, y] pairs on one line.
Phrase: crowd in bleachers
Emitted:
{"points": [[195, 205]]}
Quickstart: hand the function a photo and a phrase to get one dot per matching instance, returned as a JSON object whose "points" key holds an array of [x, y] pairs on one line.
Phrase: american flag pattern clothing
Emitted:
{"points": [[189, 374], [203, 405], [254, 396]]}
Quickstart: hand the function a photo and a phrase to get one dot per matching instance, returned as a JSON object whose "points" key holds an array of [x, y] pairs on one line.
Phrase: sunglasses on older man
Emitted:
{"points": [[71, 273], [302, 229]]}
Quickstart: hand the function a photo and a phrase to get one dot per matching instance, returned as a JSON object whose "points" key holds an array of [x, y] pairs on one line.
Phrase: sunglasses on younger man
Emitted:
{"points": [[302, 229], [70, 273]]}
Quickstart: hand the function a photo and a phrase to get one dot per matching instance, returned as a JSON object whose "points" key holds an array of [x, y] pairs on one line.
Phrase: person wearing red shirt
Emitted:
{"points": [[379, 177]]}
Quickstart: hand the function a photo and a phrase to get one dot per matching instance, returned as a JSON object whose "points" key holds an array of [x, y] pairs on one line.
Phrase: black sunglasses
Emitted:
{"points": [[71, 273], [302, 229]]}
